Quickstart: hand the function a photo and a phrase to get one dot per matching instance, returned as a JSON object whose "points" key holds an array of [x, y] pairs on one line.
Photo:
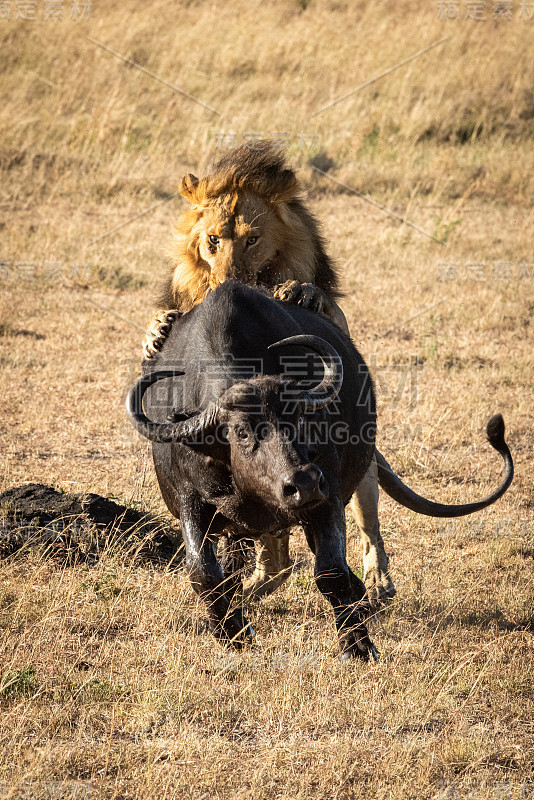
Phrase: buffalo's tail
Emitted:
{"points": [[392, 484]]}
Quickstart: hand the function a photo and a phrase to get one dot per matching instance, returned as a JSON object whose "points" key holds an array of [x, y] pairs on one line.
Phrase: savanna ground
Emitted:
{"points": [[110, 686]]}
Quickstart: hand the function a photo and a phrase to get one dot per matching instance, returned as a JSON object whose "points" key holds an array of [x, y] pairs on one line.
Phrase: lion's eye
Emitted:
{"points": [[252, 240], [213, 239]]}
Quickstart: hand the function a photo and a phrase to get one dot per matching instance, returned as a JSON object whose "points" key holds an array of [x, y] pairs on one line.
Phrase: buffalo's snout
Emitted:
{"points": [[305, 485]]}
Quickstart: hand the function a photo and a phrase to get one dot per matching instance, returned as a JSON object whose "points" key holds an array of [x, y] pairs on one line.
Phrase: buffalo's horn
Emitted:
{"points": [[328, 389], [184, 431]]}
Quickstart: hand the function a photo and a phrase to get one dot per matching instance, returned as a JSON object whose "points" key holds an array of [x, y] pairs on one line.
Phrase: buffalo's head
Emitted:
{"points": [[262, 422]]}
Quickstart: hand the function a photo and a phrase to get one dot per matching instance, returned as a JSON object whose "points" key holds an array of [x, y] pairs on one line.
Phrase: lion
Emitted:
{"points": [[247, 221]]}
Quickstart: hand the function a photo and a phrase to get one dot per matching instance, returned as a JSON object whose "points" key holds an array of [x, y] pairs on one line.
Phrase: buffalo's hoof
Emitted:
{"points": [[357, 644], [351, 655], [234, 631]]}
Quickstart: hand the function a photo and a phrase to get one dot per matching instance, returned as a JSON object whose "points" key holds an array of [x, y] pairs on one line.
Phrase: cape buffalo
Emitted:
{"points": [[262, 416]]}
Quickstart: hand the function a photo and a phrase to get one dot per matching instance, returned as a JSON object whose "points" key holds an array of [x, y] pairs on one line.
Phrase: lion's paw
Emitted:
{"points": [[379, 586], [306, 295], [157, 332], [259, 585]]}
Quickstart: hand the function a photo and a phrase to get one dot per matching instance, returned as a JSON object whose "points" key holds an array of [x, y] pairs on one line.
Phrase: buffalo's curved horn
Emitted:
{"points": [[184, 431], [328, 389]]}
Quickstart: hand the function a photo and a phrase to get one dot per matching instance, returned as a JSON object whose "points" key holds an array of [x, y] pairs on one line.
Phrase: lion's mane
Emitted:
{"points": [[258, 168]]}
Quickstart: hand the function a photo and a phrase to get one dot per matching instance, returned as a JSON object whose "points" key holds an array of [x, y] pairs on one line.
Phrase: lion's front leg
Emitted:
{"points": [[308, 295], [157, 331]]}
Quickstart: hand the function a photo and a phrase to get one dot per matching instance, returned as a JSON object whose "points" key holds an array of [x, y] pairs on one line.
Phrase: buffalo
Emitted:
{"points": [[262, 416]]}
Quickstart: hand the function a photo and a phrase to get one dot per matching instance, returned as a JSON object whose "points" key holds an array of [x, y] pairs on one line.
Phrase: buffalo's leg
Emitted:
{"points": [[364, 505], [326, 534], [233, 558], [273, 566], [206, 575], [232, 562]]}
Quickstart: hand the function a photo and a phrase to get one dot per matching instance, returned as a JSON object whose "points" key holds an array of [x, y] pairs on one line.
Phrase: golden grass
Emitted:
{"points": [[448, 123], [109, 683]]}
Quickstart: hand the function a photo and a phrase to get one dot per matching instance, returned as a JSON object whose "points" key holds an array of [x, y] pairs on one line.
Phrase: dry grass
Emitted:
{"points": [[110, 685]]}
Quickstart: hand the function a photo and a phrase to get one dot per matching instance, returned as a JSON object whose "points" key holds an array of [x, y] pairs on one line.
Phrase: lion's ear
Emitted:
{"points": [[283, 187], [188, 187]]}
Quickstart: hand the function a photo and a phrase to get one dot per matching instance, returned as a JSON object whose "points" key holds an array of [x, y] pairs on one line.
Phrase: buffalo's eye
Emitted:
{"points": [[213, 239], [300, 422], [251, 241], [243, 434]]}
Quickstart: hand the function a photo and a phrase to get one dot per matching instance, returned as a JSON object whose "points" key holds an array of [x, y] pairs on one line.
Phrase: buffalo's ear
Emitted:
{"points": [[188, 187]]}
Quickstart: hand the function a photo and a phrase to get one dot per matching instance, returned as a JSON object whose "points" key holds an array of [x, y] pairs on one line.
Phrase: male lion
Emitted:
{"points": [[246, 221]]}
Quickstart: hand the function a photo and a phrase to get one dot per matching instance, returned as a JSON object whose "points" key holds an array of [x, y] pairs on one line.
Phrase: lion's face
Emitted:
{"points": [[245, 222], [236, 237]]}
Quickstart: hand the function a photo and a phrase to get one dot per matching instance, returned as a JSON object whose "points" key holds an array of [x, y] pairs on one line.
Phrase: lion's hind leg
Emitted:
{"points": [[364, 505], [273, 566]]}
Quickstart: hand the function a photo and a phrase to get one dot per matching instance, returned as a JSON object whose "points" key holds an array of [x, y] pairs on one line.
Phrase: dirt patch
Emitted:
{"points": [[80, 526]]}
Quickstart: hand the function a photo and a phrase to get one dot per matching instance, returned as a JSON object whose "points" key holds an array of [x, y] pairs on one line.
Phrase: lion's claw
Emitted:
{"points": [[157, 332], [306, 295]]}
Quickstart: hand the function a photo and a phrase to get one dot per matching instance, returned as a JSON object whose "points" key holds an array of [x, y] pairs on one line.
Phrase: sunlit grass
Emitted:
{"points": [[109, 682]]}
